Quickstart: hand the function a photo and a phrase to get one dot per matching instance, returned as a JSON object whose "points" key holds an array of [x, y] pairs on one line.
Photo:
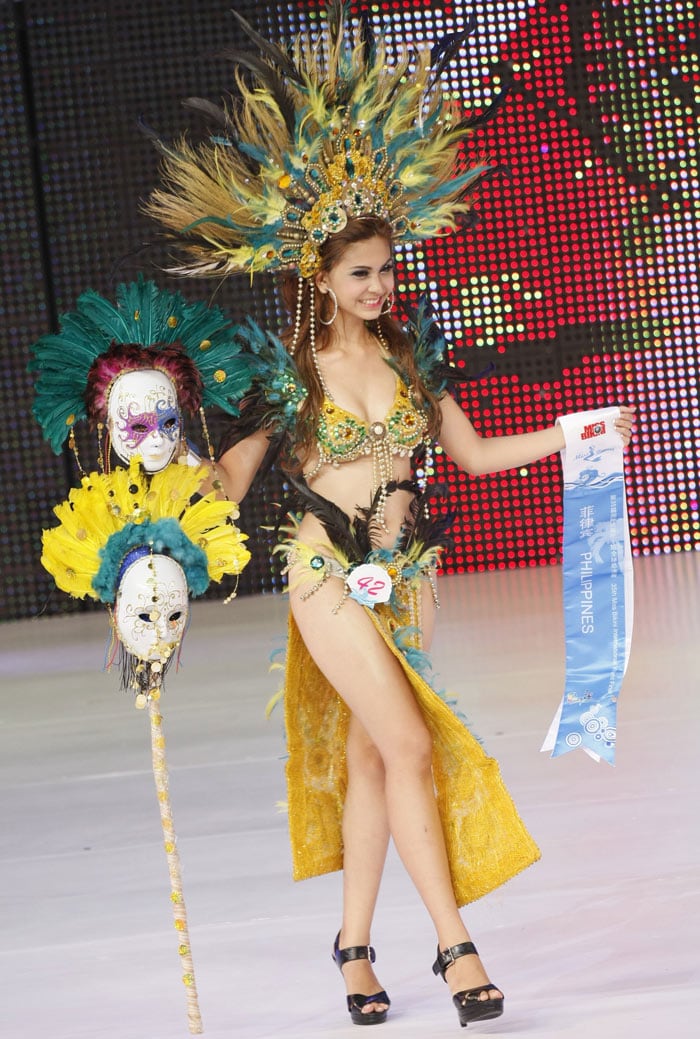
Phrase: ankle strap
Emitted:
{"points": [[446, 957], [353, 952]]}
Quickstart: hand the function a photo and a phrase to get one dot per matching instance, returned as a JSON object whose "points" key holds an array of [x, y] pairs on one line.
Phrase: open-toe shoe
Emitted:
{"points": [[469, 1003], [357, 1000]]}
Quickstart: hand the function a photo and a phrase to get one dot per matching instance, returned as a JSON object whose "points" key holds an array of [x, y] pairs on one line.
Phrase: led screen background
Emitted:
{"points": [[577, 288]]}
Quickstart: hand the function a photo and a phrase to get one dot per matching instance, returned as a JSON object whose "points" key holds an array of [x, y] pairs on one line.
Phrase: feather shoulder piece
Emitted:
{"points": [[277, 391], [430, 348]]}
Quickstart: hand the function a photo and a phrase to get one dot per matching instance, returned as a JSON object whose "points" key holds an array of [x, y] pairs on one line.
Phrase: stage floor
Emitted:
{"points": [[598, 939]]}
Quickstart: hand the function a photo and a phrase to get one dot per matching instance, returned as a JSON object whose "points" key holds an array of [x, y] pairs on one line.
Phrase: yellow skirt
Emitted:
{"points": [[487, 842]]}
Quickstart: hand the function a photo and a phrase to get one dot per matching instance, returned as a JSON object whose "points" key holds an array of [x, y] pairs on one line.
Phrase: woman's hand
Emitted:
{"points": [[624, 423]]}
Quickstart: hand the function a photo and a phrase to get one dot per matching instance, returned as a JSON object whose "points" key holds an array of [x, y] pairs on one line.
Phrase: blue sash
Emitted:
{"points": [[597, 586]]}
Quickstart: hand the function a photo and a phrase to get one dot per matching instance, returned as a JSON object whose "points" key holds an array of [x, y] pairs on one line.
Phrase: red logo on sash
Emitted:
{"points": [[595, 429]]}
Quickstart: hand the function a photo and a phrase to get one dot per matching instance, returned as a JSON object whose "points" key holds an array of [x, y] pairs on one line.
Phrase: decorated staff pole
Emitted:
{"points": [[160, 774]]}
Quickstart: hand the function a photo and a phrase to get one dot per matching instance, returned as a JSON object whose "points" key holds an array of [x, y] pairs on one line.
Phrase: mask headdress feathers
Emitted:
{"points": [[112, 513], [321, 130], [194, 344]]}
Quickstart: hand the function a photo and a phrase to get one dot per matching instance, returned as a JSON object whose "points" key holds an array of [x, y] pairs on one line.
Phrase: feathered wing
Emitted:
{"points": [[275, 395], [430, 349]]}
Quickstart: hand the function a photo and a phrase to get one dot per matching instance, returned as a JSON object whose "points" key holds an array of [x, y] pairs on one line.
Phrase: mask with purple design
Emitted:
{"points": [[143, 418]]}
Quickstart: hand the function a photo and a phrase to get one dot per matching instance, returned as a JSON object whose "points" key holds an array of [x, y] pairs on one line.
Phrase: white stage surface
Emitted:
{"points": [[600, 939]]}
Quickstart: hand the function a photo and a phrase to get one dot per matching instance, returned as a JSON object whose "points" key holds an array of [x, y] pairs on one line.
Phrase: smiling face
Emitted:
{"points": [[143, 418], [362, 279], [151, 607]]}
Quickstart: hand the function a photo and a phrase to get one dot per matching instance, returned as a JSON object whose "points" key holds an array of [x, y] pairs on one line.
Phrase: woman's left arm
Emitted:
{"points": [[479, 455]]}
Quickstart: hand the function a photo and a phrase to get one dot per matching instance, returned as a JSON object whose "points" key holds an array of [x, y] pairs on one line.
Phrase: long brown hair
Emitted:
{"points": [[357, 229]]}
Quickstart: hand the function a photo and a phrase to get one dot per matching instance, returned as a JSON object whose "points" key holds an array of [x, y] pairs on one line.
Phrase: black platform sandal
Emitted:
{"points": [[470, 1006], [357, 1001]]}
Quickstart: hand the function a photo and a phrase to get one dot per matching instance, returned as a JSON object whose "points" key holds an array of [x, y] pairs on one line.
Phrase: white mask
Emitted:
{"points": [[151, 607], [143, 418]]}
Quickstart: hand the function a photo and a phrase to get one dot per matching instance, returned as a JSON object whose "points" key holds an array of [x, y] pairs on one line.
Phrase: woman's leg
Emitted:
{"points": [[366, 838], [351, 654], [365, 842]]}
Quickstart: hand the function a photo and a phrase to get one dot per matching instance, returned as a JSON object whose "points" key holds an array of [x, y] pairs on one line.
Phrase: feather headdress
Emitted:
{"points": [[110, 514], [321, 130], [75, 365]]}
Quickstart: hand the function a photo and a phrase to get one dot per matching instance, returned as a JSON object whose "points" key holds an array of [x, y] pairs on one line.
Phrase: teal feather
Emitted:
{"points": [[164, 537], [274, 372], [144, 315], [303, 102]]}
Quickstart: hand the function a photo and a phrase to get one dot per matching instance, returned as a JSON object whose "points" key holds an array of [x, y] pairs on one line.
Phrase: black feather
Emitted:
{"points": [[446, 50], [220, 120], [149, 132], [335, 522], [266, 77], [369, 46], [214, 114], [484, 114], [161, 145], [367, 527], [255, 414], [271, 51], [423, 529]]}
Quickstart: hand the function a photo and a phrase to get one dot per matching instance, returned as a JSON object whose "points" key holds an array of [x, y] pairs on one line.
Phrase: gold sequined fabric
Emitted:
{"points": [[487, 842], [343, 437]]}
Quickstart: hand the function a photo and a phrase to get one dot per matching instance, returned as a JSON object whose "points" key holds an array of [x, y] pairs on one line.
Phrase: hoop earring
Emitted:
{"points": [[391, 300], [334, 298]]}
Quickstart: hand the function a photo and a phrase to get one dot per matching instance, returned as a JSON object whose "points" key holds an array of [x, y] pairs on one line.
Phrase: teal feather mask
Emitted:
{"points": [[212, 370]]}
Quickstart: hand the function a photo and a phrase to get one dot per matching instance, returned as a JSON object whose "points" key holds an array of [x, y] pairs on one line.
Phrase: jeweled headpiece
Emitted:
{"points": [[192, 343], [323, 130]]}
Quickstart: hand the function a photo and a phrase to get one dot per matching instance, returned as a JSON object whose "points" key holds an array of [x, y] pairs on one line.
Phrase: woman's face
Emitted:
{"points": [[361, 279]]}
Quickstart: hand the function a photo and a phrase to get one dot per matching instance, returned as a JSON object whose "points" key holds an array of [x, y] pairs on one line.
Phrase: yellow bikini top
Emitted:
{"points": [[343, 437]]}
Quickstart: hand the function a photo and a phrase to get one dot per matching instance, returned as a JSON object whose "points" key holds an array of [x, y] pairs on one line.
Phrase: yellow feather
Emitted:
{"points": [[106, 502]]}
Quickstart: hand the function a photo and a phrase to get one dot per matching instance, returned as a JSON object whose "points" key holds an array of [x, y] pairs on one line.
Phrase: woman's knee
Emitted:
{"points": [[404, 744], [362, 754], [410, 749]]}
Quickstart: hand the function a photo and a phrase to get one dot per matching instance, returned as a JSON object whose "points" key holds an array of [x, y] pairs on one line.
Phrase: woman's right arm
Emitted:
{"points": [[238, 465]]}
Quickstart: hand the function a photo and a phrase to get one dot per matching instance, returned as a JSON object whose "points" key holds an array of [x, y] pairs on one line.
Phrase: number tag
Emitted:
{"points": [[369, 584]]}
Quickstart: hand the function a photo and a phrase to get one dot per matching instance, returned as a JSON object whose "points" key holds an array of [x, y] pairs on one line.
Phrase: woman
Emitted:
{"points": [[388, 747], [359, 152]]}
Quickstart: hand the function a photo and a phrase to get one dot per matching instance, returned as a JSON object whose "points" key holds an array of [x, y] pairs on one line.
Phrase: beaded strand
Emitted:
{"points": [[297, 316]]}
